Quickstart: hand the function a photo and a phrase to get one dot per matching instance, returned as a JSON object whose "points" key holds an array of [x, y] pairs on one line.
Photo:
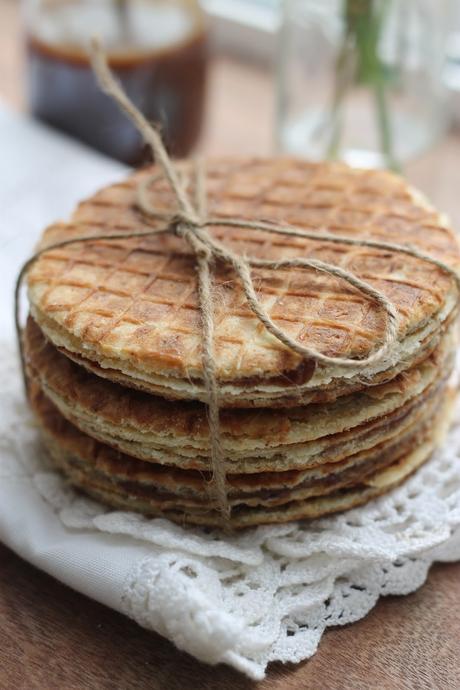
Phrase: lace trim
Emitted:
{"points": [[269, 593]]}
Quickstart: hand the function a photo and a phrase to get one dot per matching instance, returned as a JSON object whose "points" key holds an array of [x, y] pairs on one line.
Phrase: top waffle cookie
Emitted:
{"points": [[128, 309]]}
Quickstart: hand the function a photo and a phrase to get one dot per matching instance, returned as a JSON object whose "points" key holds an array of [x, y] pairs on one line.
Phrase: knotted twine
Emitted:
{"points": [[190, 222]]}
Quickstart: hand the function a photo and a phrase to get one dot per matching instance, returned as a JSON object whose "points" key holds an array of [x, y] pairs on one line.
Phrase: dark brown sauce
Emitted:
{"points": [[167, 85]]}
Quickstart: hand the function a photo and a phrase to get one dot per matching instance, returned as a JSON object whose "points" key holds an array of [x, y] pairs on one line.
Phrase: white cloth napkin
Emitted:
{"points": [[42, 176], [266, 594]]}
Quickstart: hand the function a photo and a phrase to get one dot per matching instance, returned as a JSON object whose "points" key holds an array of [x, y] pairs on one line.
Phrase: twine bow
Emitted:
{"points": [[190, 222]]}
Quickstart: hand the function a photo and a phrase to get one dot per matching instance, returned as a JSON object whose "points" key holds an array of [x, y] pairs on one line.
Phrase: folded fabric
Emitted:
{"points": [[267, 594]]}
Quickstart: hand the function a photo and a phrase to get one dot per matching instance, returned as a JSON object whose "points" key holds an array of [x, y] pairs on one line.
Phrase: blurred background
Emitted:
{"points": [[372, 82]]}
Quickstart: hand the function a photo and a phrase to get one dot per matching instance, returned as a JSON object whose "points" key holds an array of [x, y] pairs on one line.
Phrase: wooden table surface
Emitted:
{"points": [[53, 638]]}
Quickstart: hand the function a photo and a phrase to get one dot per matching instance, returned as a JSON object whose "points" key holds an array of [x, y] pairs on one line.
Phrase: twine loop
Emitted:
{"points": [[190, 232], [189, 221]]}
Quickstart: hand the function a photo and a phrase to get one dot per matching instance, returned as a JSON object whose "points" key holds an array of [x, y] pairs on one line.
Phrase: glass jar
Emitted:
{"points": [[158, 50], [361, 80]]}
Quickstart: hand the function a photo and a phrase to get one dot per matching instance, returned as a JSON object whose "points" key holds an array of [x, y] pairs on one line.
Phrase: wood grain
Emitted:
{"points": [[52, 638]]}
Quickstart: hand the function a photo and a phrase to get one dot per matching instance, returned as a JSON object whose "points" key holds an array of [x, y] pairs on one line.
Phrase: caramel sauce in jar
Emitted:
{"points": [[158, 51]]}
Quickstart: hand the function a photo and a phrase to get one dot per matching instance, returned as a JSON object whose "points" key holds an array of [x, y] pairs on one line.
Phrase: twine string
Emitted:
{"points": [[200, 241], [190, 222]]}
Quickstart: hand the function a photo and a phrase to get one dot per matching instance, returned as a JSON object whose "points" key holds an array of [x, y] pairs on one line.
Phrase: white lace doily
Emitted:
{"points": [[266, 594]]}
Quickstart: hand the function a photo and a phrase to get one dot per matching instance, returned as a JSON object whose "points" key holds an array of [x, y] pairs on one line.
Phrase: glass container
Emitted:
{"points": [[158, 50], [361, 80]]}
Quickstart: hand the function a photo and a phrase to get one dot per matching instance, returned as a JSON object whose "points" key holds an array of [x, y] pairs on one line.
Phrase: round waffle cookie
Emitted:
{"points": [[176, 433], [128, 309], [113, 347], [183, 496]]}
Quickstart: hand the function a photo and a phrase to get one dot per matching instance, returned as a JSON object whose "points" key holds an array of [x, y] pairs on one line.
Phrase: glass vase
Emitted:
{"points": [[361, 80]]}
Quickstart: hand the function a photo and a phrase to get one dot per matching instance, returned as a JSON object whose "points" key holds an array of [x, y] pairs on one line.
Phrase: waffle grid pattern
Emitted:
{"points": [[137, 295]]}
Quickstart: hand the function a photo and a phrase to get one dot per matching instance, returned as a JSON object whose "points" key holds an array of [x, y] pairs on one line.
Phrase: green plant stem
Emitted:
{"points": [[344, 75], [385, 129], [363, 26]]}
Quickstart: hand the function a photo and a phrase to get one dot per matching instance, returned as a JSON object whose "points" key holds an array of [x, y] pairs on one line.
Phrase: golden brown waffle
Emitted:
{"points": [[117, 320], [176, 433], [130, 306], [103, 460], [182, 496]]}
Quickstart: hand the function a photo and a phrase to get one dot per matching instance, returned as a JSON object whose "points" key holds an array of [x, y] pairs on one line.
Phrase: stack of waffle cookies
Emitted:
{"points": [[113, 347]]}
